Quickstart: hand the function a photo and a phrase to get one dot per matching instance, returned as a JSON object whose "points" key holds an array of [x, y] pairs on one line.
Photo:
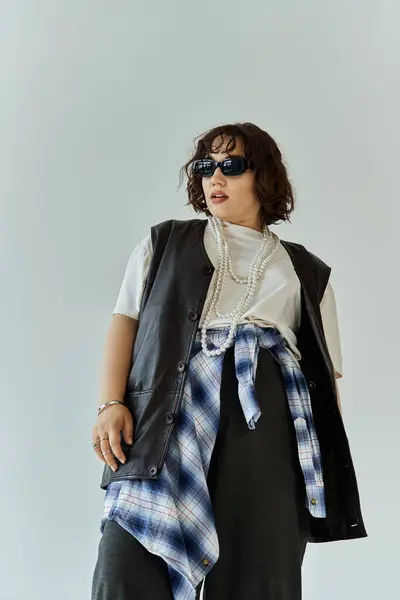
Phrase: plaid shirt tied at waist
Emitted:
{"points": [[172, 516]]}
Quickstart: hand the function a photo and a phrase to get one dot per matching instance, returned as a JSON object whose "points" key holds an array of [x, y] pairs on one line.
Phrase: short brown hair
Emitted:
{"points": [[273, 188]]}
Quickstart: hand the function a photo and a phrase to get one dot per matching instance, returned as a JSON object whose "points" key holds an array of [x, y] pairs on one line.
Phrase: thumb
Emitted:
{"points": [[128, 431]]}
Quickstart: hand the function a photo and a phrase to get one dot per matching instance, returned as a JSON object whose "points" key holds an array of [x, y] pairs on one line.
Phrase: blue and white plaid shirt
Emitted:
{"points": [[172, 516]]}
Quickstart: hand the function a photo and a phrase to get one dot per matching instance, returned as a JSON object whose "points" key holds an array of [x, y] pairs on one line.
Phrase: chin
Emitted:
{"points": [[220, 211]]}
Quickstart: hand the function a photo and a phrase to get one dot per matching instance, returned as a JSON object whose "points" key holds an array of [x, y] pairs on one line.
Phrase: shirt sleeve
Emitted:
{"points": [[331, 328], [130, 294]]}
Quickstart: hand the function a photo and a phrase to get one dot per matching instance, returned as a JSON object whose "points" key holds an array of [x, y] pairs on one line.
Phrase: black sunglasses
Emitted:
{"points": [[233, 165]]}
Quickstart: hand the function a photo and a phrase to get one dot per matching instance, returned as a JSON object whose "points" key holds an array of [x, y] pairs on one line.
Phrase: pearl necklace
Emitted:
{"points": [[269, 246]]}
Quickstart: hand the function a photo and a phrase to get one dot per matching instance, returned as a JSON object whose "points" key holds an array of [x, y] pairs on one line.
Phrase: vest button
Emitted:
{"points": [[312, 385], [152, 470], [181, 366], [207, 270], [169, 418], [193, 315]]}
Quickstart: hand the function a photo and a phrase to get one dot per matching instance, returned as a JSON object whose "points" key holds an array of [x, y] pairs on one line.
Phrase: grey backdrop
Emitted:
{"points": [[99, 104]]}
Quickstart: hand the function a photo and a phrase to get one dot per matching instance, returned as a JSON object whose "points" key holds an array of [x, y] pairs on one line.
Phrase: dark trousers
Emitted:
{"points": [[257, 491]]}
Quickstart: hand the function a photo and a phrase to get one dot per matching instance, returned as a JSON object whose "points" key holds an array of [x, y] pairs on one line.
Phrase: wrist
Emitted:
{"points": [[109, 403]]}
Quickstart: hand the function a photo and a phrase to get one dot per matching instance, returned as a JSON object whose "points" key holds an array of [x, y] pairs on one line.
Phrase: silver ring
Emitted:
{"points": [[106, 452]]}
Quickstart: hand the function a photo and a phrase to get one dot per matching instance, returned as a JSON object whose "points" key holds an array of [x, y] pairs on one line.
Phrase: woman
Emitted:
{"points": [[219, 423]]}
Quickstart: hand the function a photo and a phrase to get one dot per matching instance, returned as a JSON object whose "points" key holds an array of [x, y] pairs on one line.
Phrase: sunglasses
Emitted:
{"points": [[234, 165]]}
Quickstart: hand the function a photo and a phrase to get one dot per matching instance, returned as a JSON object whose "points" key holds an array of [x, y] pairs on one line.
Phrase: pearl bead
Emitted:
{"points": [[269, 246]]}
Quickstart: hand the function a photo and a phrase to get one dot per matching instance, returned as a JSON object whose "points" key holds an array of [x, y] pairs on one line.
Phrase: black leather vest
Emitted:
{"points": [[172, 302]]}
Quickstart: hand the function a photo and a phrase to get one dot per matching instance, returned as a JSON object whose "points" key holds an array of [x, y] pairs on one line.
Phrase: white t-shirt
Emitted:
{"points": [[277, 300]]}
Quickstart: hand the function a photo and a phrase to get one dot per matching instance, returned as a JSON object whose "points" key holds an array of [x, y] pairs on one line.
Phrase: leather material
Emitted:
{"points": [[174, 295]]}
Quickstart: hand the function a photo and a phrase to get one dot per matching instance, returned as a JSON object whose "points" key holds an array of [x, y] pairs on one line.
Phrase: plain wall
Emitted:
{"points": [[99, 104]]}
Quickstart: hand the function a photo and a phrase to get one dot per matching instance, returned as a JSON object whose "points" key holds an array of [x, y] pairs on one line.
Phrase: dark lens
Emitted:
{"points": [[234, 165], [203, 167]]}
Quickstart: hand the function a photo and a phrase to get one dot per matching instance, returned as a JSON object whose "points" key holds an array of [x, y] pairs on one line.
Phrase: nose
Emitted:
{"points": [[217, 176]]}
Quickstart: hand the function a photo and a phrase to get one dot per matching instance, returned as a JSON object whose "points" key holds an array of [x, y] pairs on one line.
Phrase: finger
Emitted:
{"points": [[97, 448], [128, 429], [115, 443], [109, 459], [107, 452], [99, 454]]}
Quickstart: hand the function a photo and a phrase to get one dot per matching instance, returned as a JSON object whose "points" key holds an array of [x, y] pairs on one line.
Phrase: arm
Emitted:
{"points": [[331, 330], [117, 360], [114, 374], [117, 357], [338, 394], [124, 325]]}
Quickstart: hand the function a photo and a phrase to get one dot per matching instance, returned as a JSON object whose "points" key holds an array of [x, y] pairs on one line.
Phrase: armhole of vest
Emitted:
{"points": [[328, 272], [324, 272], [164, 228]]}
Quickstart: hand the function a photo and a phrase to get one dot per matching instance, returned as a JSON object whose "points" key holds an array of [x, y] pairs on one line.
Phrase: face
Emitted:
{"points": [[241, 205]]}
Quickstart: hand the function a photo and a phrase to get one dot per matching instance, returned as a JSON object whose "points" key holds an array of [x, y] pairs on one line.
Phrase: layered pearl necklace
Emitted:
{"points": [[269, 246]]}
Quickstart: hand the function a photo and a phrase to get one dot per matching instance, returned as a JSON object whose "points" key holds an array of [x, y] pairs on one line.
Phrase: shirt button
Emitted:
{"points": [[312, 385], [313, 501], [205, 561], [181, 366]]}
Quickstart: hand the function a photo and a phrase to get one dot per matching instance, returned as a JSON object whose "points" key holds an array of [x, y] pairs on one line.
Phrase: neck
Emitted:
{"points": [[257, 225]]}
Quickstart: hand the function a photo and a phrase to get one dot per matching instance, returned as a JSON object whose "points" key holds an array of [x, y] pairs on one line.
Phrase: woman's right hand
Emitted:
{"points": [[107, 434]]}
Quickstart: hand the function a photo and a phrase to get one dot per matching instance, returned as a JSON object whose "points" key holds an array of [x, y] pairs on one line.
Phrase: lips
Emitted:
{"points": [[218, 197]]}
